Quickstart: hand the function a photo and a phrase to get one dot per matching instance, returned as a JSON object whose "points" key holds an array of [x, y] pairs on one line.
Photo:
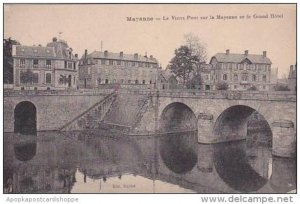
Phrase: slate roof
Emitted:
{"points": [[35, 51], [116, 56], [58, 50], [237, 58]]}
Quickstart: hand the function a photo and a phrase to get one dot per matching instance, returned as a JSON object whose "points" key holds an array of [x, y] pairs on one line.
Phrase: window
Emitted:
{"points": [[111, 62], [129, 81], [102, 61], [106, 81], [136, 81], [122, 81], [48, 78], [132, 64], [35, 63], [126, 64], [144, 81], [224, 76], [241, 66], [140, 64], [244, 77], [235, 77], [235, 86], [99, 81], [48, 63], [22, 62], [253, 77], [235, 66], [248, 66], [70, 65], [118, 62], [150, 82], [35, 78], [89, 70], [264, 77]]}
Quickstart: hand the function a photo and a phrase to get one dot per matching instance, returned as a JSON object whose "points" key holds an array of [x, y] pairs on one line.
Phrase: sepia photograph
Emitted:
{"points": [[149, 98]]}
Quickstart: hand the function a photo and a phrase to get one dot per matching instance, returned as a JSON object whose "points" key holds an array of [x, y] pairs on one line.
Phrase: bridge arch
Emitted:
{"points": [[25, 118], [177, 116], [232, 123]]}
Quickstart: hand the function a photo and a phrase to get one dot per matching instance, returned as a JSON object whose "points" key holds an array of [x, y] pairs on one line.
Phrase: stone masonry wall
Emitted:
{"points": [[53, 111]]}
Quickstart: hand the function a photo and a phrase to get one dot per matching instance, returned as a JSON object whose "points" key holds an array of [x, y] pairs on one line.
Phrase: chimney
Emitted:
{"points": [[105, 53], [264, 53], [85, 53], [76, 55], [227, 51], [246, 52], [151, 57], [136, 55], [121, 54]]}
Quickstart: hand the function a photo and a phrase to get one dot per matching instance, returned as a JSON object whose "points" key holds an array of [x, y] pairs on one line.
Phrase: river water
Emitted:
{"points": [[103, 162]]}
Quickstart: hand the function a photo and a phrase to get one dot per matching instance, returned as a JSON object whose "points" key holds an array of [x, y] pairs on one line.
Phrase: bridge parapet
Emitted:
{"points": [[231, 95], [71, 92]]}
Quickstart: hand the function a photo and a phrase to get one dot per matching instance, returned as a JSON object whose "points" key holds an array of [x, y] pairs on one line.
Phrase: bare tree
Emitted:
{"points": [[198, 50], [197, 47]]}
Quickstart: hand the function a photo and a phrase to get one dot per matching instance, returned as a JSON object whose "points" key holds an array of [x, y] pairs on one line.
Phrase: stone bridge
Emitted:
{"points": [[221, 116], [51, 110]]}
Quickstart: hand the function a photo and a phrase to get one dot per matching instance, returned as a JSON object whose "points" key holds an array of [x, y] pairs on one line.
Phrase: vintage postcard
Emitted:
{"points": [[149, 98]]}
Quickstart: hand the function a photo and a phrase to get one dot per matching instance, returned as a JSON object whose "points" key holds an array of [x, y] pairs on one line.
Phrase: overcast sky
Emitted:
{"points": [[84, 26]]}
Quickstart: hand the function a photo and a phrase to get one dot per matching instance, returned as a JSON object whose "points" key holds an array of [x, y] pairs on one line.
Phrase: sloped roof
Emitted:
{"points": [[35, 51], [238, 58], [116, 56], [57, 49]]}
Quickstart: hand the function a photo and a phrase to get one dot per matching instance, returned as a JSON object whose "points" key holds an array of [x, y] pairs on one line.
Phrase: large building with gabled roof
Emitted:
{"points": [[242, 71], [45, 68], [103, 69]]}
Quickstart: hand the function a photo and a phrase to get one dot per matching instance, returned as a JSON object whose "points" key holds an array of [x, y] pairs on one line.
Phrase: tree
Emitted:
{"points": [[26, 77], [195, 82], [222, 86], [196, 46], [281, 87], [182, 64], [63, 79], [8, 69]]}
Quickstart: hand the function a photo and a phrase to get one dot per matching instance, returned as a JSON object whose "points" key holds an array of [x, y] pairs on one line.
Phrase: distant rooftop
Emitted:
{"points": [[238, 58], [121, 56], [55, 49]]}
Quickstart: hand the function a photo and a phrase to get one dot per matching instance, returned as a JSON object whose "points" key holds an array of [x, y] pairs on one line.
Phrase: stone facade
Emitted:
{"points": [[242, 71], [101, 68], [50, 67]]}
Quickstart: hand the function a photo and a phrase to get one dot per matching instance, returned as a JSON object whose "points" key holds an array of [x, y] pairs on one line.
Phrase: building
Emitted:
{"points": [[242, 71], [102, 69], [292, 79], [166, 80], [44, 68]]}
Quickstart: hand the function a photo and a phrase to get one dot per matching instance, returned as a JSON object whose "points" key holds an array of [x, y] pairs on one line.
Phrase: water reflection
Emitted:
{"points": [[235, 166], [179, 152], [98, 162]]}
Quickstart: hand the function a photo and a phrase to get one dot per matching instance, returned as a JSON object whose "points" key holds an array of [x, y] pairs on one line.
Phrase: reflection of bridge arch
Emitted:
{"points": [[177, 116], [25, 118]]}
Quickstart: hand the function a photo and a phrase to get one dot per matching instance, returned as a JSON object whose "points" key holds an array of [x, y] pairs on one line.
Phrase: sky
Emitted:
{"points": [[85, 26]]}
